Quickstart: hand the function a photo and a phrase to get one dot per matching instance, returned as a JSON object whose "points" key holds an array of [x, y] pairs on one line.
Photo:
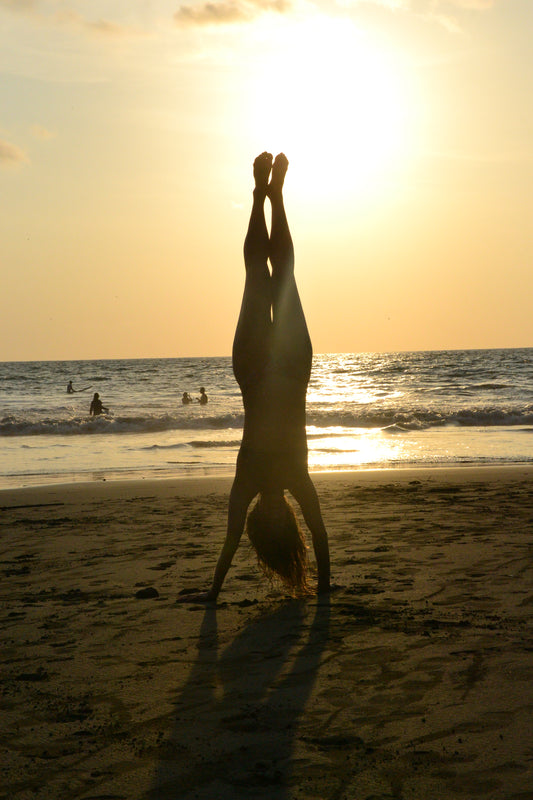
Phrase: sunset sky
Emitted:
{"points": [[127, 133]]}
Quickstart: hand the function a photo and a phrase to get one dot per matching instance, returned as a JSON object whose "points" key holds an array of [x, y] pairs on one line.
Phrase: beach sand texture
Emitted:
{"points": [[414, 680]]}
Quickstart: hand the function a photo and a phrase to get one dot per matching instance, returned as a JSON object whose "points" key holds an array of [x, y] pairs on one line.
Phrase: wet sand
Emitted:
{"points": [[413, 680]]}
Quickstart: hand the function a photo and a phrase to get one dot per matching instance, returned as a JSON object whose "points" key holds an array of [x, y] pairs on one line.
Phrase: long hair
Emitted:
{"points": [[280, 546]]}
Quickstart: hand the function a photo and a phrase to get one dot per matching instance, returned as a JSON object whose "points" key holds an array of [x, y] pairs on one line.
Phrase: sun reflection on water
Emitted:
{"points": [[360, 448]]}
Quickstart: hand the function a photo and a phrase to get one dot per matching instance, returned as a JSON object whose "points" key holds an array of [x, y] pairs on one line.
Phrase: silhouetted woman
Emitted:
{"points": [[272, 357], [96, 406]]}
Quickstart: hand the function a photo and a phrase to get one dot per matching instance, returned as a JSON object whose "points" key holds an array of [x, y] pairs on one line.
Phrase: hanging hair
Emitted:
{"points": [[280, 547]]}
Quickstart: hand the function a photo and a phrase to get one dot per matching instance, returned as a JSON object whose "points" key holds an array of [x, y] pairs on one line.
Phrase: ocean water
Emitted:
{"points": [[364, 410]]}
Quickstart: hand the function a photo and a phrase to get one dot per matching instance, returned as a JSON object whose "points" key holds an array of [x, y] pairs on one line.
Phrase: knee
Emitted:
{"points": [[255, 254]]}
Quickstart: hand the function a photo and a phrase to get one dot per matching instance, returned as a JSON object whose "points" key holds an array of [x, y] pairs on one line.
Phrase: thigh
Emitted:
{"points": [[253, 336], [291, 343]]}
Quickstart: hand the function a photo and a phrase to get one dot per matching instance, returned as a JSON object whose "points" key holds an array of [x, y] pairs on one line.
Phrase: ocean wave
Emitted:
{"points": [[107, 424], [195, 443], [490, 386], [15, 377], [397, 419], [210, 443], [392, 420]]}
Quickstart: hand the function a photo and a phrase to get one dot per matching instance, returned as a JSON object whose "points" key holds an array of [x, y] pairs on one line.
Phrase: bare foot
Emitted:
{"points": [[279, 170], [262, 167]]}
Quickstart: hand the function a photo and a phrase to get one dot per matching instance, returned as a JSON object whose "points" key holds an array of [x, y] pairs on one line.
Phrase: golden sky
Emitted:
{"points": [[127, 133]]}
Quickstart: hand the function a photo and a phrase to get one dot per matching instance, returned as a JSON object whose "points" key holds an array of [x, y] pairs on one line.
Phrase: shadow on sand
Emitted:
{"points": [[237, 716]]}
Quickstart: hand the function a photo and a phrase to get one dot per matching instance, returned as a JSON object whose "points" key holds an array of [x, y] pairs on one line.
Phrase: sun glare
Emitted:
{"points": [[333, 101]]}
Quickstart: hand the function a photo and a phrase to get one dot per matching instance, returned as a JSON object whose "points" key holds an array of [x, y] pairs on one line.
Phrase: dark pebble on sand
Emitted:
{"points": [[40, 675], [147, 594]]}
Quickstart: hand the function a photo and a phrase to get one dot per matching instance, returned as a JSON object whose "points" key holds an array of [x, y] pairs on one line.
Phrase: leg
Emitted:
{"points": [[241, 495], [292, 343], [252, 337]]}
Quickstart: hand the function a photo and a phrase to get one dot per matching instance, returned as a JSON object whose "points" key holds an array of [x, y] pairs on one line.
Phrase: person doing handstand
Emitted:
{"points": [[272, 356]]}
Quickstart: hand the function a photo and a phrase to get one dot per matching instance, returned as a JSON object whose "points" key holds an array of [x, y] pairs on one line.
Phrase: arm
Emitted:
{"points": [[239, 500], [307, 498]]}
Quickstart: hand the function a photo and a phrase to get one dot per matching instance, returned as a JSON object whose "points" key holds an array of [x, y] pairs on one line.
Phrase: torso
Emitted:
{"points": [[274, 442]]}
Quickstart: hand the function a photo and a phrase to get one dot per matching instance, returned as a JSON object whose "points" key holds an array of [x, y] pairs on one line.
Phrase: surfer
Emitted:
{"points": [[72, 390], [272, 356], [97, 407]]}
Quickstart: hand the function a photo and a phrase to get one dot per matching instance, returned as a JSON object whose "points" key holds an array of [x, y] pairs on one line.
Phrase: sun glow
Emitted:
{"points": [[334, 102], [361, 448]]}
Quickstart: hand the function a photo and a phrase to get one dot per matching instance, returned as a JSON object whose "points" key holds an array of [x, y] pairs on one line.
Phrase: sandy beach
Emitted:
{"points": [[414, 679]]}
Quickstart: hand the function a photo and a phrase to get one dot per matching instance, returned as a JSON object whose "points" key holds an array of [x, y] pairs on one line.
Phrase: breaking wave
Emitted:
{"points": [[391, 419]]}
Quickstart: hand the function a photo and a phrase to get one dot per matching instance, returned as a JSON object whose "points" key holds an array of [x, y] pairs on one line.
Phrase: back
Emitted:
{"points": [[274, 412]]}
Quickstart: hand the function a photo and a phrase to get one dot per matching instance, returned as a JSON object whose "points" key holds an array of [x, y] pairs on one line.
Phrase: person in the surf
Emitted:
{"points": [[72, 390], [272, 356], [97, 407]]}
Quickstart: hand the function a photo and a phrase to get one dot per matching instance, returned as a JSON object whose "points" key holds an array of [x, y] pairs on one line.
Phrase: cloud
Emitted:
{"points": [[446, 13], [100, 27], [11, 155], [44, 14], [436, 8], [226, 12], [39, 132], [442, 11], [18, 5], [476, 4], [104, 27]]}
